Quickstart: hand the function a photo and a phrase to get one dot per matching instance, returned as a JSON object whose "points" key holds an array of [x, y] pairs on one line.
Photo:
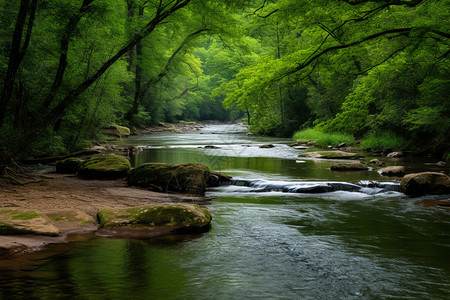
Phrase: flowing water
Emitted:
{"points": [[285, 228]]}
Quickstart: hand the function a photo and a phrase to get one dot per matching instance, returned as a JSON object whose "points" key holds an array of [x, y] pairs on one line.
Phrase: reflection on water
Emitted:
{"points": [[263, 245]]}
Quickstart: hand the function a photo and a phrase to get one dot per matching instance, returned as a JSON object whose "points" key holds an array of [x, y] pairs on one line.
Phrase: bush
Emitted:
{"points": [[323, 138], [383, 140]]}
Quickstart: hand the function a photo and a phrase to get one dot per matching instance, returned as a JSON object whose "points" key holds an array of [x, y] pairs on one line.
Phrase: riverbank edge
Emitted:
{"points": [[69, 193]]}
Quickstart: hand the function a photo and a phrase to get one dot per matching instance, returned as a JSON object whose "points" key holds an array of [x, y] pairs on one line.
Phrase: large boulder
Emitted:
{"points": [[353, 166], [425, 183], [331, 154], [20, 221], [117, 131], [153, 220], [393, 171], [190, 178], [104, 166]]}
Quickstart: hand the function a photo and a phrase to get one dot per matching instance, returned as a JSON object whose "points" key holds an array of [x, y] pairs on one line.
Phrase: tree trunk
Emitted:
{"points": [[16, 52]]}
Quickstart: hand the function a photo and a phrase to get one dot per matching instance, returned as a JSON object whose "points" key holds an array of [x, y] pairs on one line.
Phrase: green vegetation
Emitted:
{"points": [[70, 69], [26, 216], [386, 140], [323, 138]]}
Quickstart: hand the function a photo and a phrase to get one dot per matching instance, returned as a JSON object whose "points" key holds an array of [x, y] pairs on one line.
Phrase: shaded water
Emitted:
{"points": [[275, 243]]}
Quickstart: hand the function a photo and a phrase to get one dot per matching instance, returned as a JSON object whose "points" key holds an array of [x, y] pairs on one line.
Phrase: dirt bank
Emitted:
{"points": [[66, 192]]}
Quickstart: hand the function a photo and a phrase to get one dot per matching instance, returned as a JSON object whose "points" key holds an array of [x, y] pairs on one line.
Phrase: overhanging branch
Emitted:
{"points": [[339, 47]]}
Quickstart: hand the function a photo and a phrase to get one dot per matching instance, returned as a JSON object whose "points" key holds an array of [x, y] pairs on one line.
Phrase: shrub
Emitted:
{"points": [[323, 138], [383, 140]]}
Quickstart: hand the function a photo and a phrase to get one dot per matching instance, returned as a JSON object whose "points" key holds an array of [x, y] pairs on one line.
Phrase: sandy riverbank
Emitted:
{"points": [[67, 192]]}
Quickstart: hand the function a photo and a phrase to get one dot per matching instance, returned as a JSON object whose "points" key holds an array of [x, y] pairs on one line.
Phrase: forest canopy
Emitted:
{"points": [[69, 68]]}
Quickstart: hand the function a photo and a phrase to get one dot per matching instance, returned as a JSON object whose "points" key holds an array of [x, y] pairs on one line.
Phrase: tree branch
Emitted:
{"points": [[335, 48]]}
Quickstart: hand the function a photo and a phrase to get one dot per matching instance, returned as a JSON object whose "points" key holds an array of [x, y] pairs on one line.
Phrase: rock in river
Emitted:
{"points": [[105, 166], [393, 171], [190, 178], [354, 166], [331, 154], [154, 220], [425, 183]]}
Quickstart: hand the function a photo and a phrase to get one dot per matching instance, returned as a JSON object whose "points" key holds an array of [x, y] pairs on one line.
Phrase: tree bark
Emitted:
{"points": [[16, 52]]}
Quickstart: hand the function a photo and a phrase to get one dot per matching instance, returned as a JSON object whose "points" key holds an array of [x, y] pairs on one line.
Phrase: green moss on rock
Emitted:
{"points": [[188, 178], [117, 131], [179, 216], [105, 166], [13, 222]]}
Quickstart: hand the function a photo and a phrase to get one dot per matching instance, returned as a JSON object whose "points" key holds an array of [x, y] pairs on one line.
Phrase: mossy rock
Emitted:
{"points": [[105, 166], [117, 131], [69, 166], [162, 217], [331, 154], [19, 221], [190, 178]]}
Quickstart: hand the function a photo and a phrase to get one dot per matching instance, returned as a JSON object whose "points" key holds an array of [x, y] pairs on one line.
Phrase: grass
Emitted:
{"points": [[323, 138], [385, 140]]}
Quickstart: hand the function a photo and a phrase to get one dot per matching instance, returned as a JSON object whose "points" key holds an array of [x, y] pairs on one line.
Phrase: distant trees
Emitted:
{"points": [[367, 66], [69, 68]]}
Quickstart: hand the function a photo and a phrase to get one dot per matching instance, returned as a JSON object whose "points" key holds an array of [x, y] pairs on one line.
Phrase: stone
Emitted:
{"points": [[342, 145], [301, 147], [104, 166], [354, 166], [393, 171], [215, 179], [21, 221], [397, 154], [69, 166], [337, 154], [417, 184], [117, 131], [266, 146], [190, 178], [377, 162], [152, 220]]}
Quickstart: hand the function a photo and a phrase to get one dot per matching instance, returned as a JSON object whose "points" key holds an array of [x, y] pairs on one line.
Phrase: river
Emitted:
{"points": [[270, 237]]}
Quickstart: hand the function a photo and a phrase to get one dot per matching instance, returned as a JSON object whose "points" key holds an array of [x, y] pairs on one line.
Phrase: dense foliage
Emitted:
{"points": [[371, 69]]}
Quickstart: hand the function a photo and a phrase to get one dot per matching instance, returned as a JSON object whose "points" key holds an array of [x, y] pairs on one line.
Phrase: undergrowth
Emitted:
{"points": [[383, 140], [323, 138]]}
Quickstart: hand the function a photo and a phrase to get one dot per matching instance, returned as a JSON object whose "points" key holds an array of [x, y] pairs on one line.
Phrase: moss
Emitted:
{"points": [[105, 166], [157, 216], [188, 122], [184, 178], [123, 130], [26, 216]]}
